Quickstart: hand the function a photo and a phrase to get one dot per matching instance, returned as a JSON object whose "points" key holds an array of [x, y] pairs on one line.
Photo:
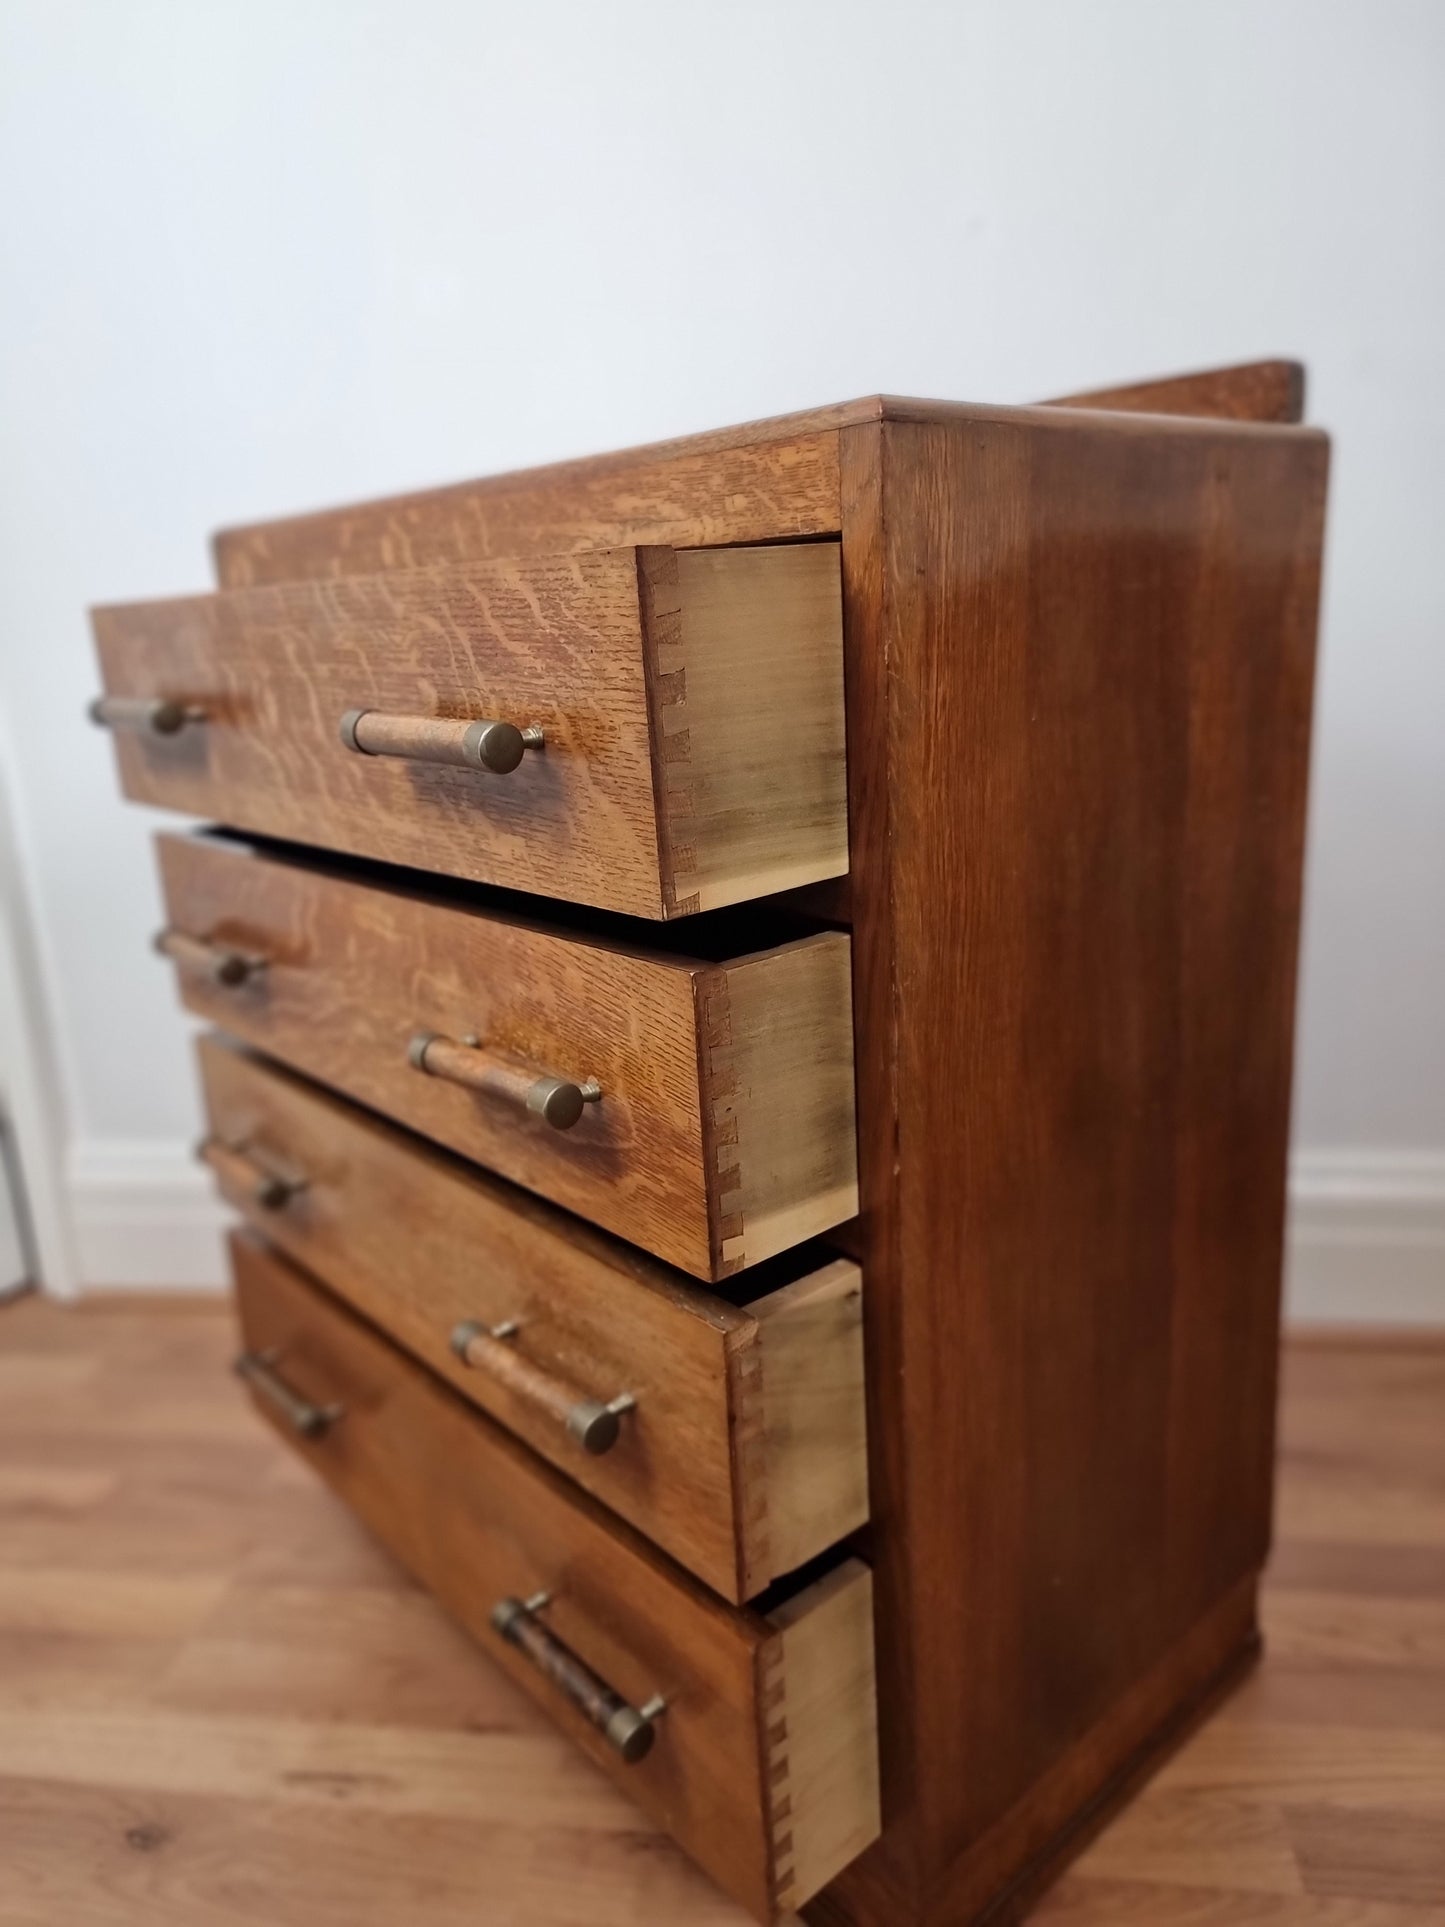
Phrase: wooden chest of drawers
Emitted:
{"points": [[761, 973]]}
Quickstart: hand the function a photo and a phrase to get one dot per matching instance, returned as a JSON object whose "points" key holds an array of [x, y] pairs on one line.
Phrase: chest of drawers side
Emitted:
{"points": [[1080, 660]]}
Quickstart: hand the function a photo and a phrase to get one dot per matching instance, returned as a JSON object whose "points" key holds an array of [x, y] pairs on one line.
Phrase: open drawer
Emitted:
{"points": [[750, 1736], [653, 731], [698, 1105], [731, 1433]]}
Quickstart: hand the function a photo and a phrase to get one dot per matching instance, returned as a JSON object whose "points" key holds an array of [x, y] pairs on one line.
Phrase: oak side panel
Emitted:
{"points": [[1099, 650], [811, 1416], [759, 483], [1254, 391], [752, 792], [882, 1884], [820, 1701], [778, 1096]]}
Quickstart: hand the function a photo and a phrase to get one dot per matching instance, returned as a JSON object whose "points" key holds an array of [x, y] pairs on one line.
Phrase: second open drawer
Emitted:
{"points": [[700, 1106], [743, 1449]]}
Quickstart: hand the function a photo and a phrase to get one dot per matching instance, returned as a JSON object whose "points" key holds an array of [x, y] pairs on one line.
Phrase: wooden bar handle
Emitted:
{"points": [[258, 1369], [242, 1173], [152, 715], [628, 1730], [496, 747], [556, 1100], [594, 1425], [221, 962]]}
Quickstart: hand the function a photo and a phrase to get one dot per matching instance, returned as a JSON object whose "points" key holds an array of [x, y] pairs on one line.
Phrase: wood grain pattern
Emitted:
{"points": [[778, 1096], [419, 1242], [750, 484], [820, 1709], [746, 657], [679, 772], [1254, 391], [1078, 649], [759, 481], [356, 968], [812, 1419], [1098, 638], [477, 1519]]}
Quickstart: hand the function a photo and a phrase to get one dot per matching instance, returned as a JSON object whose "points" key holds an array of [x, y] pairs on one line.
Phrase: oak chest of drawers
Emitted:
{"points": [[752, 987]]}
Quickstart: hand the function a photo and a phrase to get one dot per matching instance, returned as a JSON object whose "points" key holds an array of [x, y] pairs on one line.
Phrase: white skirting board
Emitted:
{"points": [[145, 1216], [1367, 1238], [1366, 1247]]}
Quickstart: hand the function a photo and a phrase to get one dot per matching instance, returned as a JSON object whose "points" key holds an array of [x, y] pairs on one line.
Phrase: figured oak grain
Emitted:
{"points": [[745, 1454], [693, 747], [753, 484], [478, 1519], [355, 968]]}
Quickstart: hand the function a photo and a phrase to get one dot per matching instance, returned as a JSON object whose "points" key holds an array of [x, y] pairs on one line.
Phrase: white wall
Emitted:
{"points": [[263, 254]]}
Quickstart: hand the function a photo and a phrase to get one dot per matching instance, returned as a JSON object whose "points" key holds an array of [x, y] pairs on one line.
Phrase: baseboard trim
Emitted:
{"points": [[1366, 1229], [145, 1216], [1366, 1239]]}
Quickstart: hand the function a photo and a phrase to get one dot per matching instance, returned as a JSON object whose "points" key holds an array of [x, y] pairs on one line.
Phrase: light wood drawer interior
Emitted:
{"points": [[745, 1452], [690, 704], [764, 1763], [724, 1131]]}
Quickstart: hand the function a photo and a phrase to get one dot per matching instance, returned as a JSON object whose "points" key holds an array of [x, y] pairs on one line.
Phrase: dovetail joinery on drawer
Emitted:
{"points": [[744, 1451], [764, 1764], [713, 1153], [675, 719]]}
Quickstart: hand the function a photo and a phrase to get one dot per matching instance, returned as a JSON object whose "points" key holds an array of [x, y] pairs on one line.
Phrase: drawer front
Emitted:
{"points": [[763, 1764], [724, 1129], [688, 707], [744, 1450]]}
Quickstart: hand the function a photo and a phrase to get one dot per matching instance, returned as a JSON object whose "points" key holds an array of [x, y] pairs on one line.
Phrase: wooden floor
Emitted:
{"points": [[220, 1704]]}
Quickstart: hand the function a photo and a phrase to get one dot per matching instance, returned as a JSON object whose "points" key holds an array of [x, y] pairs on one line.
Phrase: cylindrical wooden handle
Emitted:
{"points": [[556, 1100], [258, 1369], [222, 962], [629, 1730], [594, 1425], [154, 715], [496, 747], [238, 1172]]}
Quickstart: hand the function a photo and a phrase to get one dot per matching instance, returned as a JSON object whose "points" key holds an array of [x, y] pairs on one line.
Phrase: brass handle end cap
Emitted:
{"points": [[506, 1616], [596, 1427], [497, 747], [556, 1101], [630, 1734]]}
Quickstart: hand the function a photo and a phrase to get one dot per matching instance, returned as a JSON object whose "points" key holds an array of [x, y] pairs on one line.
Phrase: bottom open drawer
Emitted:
{"points": [[763, 1763]]}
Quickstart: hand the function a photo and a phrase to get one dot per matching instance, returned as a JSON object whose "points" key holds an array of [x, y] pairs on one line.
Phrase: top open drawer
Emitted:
{"points": [[671, 720]]}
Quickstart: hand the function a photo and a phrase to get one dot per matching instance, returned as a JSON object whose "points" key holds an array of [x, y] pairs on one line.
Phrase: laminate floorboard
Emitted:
{"points": [[221, 1704]]}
